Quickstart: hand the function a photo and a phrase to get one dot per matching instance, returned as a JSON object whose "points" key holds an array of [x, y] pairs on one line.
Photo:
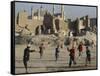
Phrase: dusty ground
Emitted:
{"points": [[48, 63]]}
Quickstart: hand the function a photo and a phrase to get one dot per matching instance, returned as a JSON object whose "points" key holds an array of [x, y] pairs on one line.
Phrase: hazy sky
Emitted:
{"points": [[71, 12]]}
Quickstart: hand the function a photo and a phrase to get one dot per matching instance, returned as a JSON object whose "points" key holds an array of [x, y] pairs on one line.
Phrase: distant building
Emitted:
{"points": [[42, 22], [93, 23], [81, 25]]}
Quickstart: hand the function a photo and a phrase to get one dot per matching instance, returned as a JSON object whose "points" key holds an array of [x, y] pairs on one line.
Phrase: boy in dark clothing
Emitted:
{"points": [[57, 52], [41, 50], [80, 48], [88, 56], [72, 56], [26, 56]]}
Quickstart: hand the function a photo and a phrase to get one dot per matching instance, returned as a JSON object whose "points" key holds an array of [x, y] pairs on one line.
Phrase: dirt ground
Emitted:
{"points": [[48, 64]]}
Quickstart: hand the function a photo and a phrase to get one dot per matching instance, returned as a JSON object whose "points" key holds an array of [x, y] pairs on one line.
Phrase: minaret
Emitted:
{"points": [[32, 12], [53, 10], [54, 26], [17, 20], [40, 9], [39, 13], [62, 11]]}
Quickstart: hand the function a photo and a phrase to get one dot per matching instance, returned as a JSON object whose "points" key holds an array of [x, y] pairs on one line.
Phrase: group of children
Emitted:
{"points": [[57, 51], [80, 49]]}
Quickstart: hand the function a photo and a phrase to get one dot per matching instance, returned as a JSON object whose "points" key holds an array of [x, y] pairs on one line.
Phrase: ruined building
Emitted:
{"points": [[41, 22], [80, 25]]}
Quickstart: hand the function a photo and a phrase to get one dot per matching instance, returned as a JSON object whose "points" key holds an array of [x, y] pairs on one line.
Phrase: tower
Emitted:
{"points": [[41, 9], [62, 11], [17, 19], [53, 10], [39, 14], [32, 12]]}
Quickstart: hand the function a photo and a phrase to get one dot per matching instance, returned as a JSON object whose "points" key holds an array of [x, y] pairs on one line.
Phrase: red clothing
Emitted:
{"points": [[72, 52], [80, 47]]}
